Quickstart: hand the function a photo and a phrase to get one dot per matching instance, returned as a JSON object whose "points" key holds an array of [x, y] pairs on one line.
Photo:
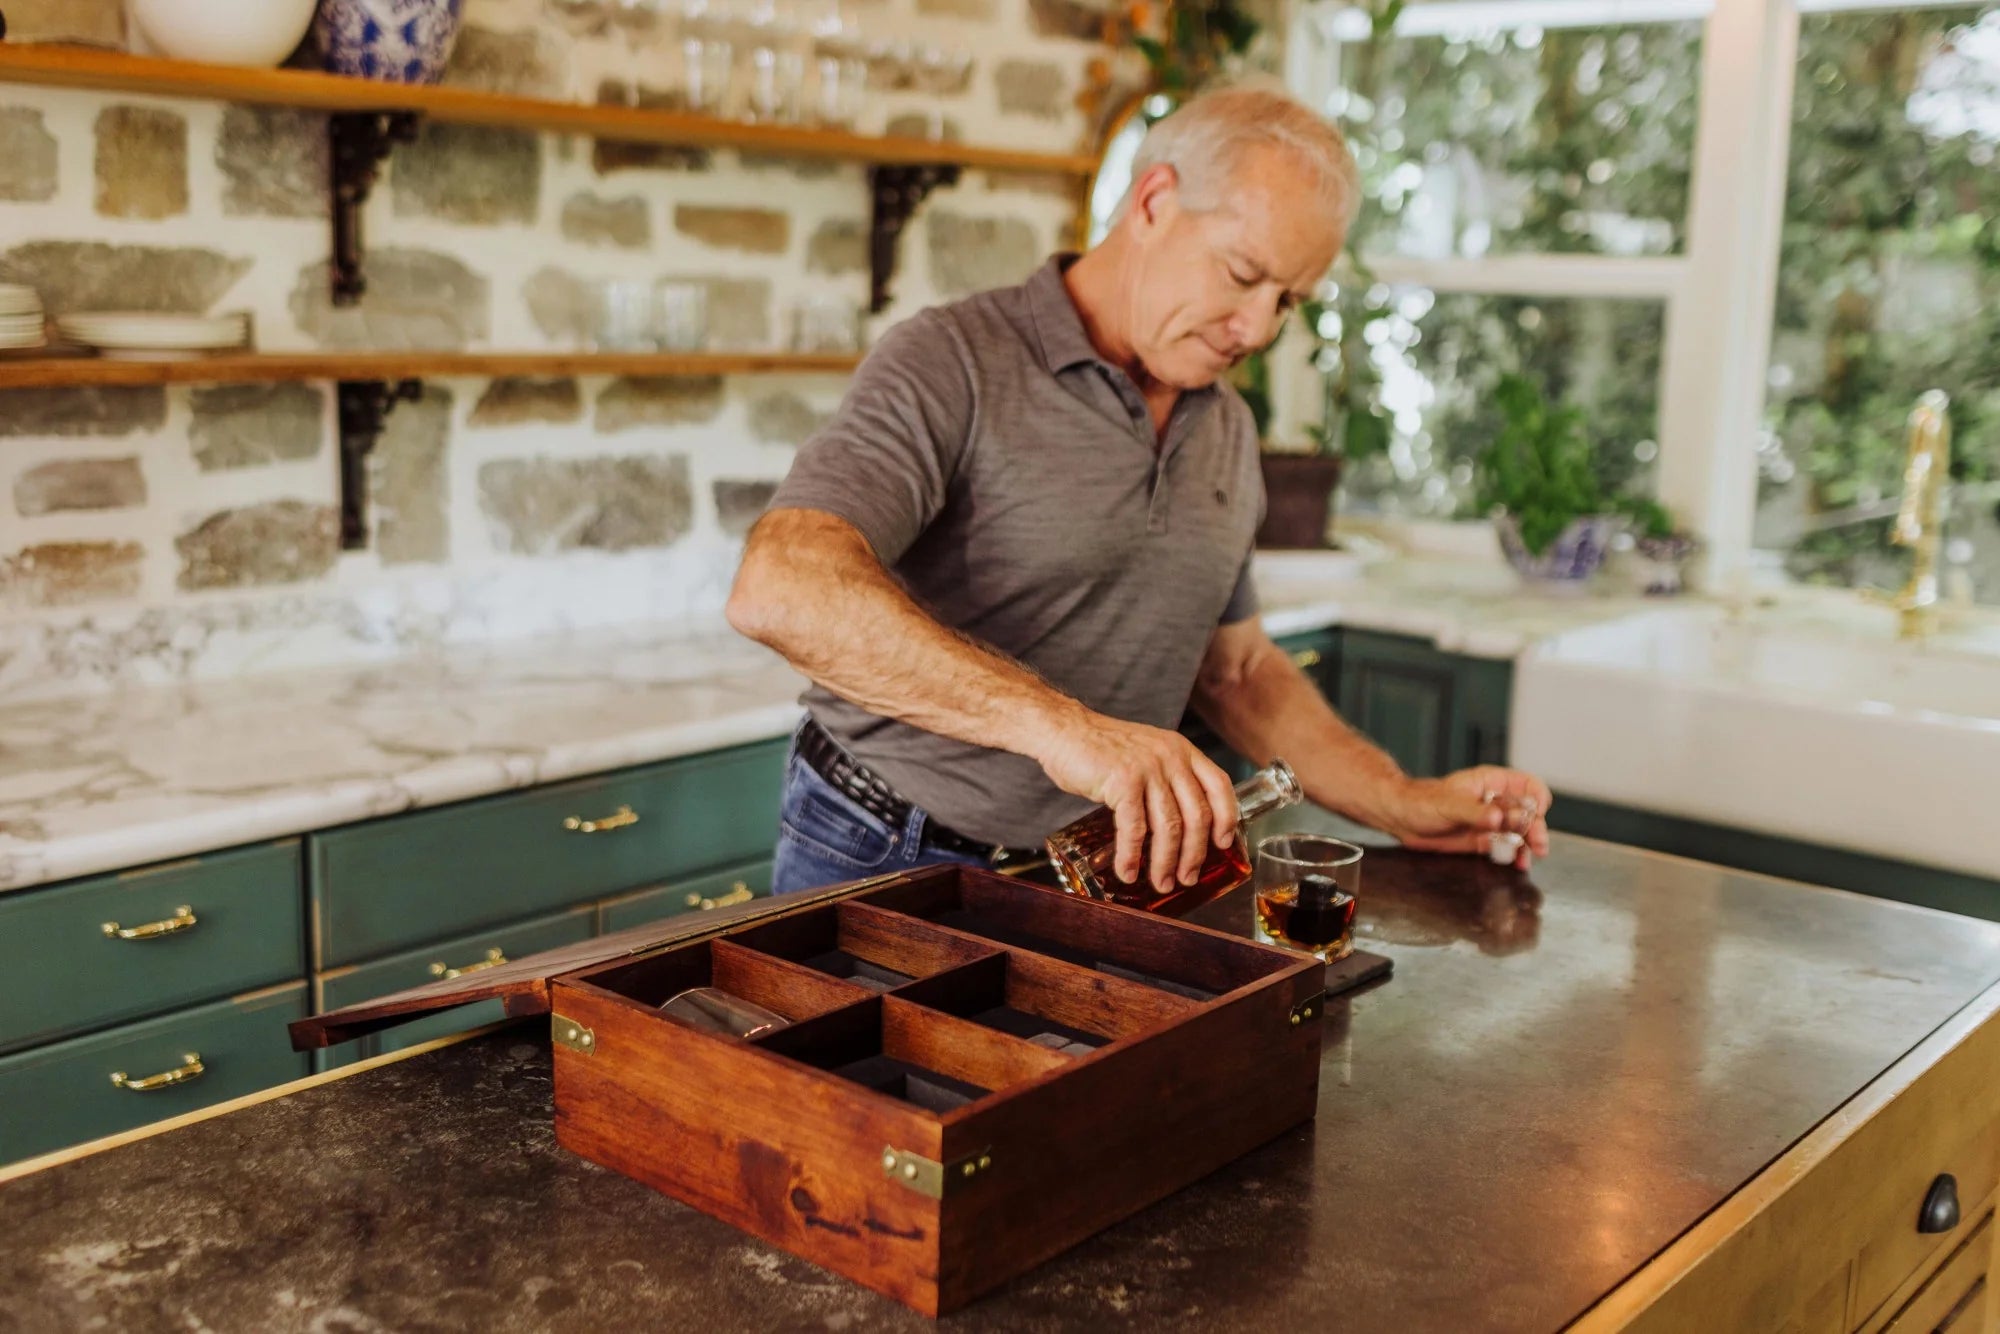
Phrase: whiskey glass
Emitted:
{"points": [[1306, 887]]}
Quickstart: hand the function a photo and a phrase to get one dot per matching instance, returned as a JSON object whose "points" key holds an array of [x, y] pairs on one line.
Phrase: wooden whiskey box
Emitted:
{"points": [[916, 1127]]}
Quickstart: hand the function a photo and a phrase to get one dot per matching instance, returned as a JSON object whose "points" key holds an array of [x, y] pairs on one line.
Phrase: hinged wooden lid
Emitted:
{"points": [[522, 985]]}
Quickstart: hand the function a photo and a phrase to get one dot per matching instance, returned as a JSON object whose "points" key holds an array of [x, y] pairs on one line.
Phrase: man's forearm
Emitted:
{"points": [[1265, 706], [812, 589]]}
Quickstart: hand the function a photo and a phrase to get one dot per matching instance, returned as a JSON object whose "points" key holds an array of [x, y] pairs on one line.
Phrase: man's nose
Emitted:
{"points": [[1255, 323]]}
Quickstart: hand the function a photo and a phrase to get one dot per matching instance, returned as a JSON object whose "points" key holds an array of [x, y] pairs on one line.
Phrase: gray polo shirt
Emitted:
{"points": [[1012, 480]]}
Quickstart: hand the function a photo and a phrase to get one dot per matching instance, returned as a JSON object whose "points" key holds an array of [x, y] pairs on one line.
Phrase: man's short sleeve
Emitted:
{"points": [[1243, 599], [886, 460]]}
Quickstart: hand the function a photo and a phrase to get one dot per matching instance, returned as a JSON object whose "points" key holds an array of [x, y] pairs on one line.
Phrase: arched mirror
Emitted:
{"points": [[1114, 165]]}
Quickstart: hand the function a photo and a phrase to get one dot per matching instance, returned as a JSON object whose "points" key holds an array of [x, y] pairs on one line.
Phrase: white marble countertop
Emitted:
{"points": [[122, 779]]}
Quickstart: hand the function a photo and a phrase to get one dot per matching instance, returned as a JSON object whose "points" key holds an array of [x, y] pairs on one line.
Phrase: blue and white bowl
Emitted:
{"points": [[398, 41], [1570, 561]]}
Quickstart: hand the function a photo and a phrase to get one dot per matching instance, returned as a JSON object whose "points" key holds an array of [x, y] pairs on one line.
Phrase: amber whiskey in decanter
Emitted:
{"points": [[1084, 852]]}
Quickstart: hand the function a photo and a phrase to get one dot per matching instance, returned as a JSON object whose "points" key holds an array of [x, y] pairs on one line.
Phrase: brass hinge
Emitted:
{"points": [[929, 1177], [567, 1032], [1309, 1008]]}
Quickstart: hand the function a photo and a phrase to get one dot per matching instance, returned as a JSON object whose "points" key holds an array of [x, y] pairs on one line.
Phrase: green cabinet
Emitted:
{"points": [[702, 893], [396, 883], [85, 1088], [1432, 711], [102, 950], [466, 954]]}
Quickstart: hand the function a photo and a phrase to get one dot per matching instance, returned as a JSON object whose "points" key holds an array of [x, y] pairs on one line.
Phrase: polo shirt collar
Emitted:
{"points": [[1057, 325], [1060, 329]]}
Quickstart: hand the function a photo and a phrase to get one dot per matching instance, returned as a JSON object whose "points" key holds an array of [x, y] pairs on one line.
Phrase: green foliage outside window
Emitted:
{"points": [[1580, 141], [1889, 282]]}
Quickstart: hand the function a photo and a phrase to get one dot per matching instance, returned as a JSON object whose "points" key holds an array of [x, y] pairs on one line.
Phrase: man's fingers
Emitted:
{"points": [[1164, 811], [1221, 796], [1195, 821], [1130, 812]]}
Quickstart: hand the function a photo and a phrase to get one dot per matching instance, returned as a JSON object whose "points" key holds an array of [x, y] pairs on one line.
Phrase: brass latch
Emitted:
{"points": [[928, 1177], [1309, 1008], [569, 1033]]}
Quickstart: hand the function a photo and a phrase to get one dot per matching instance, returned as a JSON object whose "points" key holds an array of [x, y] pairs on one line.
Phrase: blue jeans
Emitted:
{"points": [[825, 837]]}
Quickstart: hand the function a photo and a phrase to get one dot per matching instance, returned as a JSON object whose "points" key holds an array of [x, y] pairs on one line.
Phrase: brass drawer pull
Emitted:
{"points": [[621, 818], [182, 920], [191, 1068], [1306, 659], [738, 893], [494, 958]]}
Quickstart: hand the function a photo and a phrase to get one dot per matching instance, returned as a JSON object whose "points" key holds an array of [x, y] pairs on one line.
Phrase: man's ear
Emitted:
{"points": [[1154, 194]]}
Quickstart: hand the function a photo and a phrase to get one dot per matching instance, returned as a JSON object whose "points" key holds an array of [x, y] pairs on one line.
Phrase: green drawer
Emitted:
{"points": [[714, 890], [63, 1094], [350, 986], [64, 974], [393, 884]]}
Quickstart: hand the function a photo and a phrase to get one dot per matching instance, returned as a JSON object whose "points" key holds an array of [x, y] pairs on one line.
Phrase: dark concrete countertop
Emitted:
{"points": [[1566, 1071]]}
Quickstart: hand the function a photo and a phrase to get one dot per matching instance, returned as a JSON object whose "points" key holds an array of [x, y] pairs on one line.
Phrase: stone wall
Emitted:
{"points": [[193, 512]]}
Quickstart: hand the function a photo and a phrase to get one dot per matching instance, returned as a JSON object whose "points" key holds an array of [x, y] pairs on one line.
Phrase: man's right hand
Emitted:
{"points": [[1154, 781]]}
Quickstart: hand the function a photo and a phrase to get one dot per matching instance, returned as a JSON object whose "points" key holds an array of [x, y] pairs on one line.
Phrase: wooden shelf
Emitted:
{"points": [[55, 372], [54, 66]]}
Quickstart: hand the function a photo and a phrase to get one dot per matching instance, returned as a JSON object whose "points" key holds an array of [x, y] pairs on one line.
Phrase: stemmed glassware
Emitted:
{"points": [[636, 21], [580, 19], [708, 55]]}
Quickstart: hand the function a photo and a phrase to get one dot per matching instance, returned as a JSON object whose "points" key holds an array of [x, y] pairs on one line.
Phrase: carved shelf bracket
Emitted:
{"points": [[896, 192], [365, 406], [360, 141]]}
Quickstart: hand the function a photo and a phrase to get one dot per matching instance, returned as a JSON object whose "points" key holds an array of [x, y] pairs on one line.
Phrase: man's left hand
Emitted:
{"points": [[1461, 811]]}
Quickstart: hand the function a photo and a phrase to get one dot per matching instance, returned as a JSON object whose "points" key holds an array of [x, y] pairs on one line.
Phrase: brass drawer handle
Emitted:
{"points": [[619, 819], [191, 1068], [494, 958], [1306, 659], [182, 920], [738, 893]]}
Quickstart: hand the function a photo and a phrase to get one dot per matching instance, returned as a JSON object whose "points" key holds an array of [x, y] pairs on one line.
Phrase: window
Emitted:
{"points": [[1527, 182], [1745, 238], [1888, 285]]}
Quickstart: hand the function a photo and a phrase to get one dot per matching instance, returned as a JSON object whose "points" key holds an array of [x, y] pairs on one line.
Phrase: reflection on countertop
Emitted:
{"points": [[1415, 898]]}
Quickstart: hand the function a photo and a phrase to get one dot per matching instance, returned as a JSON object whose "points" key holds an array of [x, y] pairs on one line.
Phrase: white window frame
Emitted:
{"points": [[1718, 292]]}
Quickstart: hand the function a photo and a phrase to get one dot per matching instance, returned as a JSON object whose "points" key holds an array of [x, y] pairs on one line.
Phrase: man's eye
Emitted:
{"points": [[1242, 281]]}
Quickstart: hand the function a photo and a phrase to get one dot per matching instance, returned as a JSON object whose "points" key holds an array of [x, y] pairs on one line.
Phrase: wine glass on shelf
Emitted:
{"points": [[582, 20], [840, 61], [636, 21], [776, 43], [708, 57], [940, 71]]}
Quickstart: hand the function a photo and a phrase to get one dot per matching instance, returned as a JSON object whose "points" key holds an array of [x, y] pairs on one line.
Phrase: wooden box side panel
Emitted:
{"points": [[788, 1154], [1091, 1145]]}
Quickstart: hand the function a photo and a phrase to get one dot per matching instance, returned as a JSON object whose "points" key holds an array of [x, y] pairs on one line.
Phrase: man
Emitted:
{"points": [[1022, 546]]}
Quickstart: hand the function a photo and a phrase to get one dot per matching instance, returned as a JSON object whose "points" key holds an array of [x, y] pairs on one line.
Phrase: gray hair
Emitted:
{"points": [[1204, 141]]}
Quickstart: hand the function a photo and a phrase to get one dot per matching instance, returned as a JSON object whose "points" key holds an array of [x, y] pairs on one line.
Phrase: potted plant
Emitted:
{"points": [[1538, 480], [1664, 547], [1298, 484]]}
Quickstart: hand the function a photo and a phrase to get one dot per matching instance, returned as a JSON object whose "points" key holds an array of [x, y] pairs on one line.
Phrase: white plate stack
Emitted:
{"points": [[22, 324], [135, 336]]}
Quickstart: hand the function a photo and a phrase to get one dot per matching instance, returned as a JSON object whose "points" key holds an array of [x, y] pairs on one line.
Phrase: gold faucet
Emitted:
{"points": [[1920, 517]]}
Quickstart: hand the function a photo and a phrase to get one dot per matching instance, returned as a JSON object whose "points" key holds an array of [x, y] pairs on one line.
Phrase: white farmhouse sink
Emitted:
{"points": [[1815, 725]]}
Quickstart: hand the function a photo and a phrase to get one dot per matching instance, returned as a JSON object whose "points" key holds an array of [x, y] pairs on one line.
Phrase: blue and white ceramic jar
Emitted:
{"points": [[399, 41]]}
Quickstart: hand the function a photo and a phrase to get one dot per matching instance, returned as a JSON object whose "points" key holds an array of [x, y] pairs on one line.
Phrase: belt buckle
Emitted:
{"points": [[1003, 857]]}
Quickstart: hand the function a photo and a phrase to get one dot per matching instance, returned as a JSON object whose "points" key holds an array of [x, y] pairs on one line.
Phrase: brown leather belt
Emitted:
{"points": [[867, 789]]}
